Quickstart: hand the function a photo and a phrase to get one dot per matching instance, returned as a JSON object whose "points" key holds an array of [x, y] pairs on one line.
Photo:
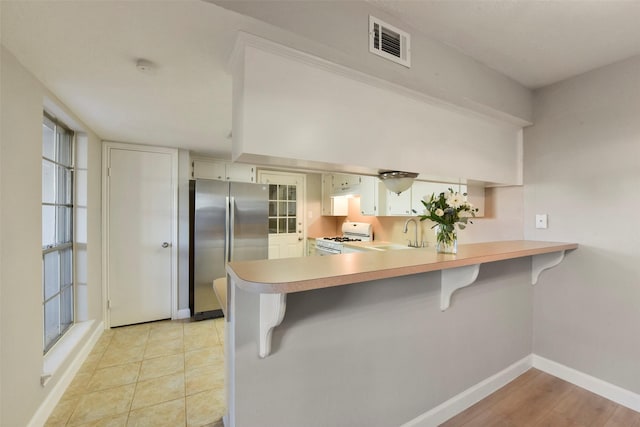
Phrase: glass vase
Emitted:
{"points": [[446, 239]]}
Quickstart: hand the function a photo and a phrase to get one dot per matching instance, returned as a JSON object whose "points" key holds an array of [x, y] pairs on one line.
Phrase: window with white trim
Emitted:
{"points": [[57, 230], [282, 209]]}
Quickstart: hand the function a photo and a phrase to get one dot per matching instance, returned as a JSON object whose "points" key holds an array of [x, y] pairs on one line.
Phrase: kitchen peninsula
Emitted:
{"points": [[382, 350]]}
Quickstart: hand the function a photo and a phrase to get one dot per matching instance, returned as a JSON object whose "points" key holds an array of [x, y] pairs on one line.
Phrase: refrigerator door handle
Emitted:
{"points": [[231, 205]]}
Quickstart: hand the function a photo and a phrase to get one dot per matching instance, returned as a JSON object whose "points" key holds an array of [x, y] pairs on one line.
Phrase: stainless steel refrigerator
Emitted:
{"points": [[228, 222]]}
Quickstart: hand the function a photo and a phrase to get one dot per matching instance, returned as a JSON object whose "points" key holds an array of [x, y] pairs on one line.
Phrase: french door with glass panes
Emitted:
{"points": [[286, 207]]}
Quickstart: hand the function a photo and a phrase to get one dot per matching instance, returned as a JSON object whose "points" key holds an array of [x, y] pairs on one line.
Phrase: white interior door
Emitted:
{"points": [[286, 206], [141, 217]]}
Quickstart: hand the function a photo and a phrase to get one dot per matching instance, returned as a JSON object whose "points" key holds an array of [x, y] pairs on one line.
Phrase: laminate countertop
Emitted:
{"points": [[290, 275]]}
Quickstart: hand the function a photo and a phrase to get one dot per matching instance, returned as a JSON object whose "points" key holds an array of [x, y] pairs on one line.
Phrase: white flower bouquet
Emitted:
{"points": [[448, 210]]}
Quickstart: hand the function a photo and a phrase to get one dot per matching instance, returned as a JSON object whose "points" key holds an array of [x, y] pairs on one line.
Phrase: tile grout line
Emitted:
{"points": [[77, 401], [114, 340]]}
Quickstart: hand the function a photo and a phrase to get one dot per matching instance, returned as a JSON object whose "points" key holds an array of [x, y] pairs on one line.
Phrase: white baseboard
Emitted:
{"points": [[49, 403], [472, 395], [184, 313], [595, 385]]}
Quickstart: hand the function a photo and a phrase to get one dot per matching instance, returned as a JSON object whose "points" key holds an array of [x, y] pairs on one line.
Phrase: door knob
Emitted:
{"points": [[166, 244]]}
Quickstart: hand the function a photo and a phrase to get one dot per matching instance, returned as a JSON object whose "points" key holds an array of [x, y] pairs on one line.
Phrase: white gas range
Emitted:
{"points": [[351, 232]]}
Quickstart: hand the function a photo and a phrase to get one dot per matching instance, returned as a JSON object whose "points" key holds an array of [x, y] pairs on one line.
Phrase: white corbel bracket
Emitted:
{"points": [[455, 278], [272, 309], [542, 262]]}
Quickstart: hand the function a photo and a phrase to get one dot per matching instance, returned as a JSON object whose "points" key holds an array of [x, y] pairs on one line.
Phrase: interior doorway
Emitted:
{"points": [[287, 225], [140, 232]]}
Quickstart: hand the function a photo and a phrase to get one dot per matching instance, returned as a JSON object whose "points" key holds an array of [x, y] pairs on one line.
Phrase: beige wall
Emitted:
{"points": [[318, 225], [582, 162], [22, 100]]}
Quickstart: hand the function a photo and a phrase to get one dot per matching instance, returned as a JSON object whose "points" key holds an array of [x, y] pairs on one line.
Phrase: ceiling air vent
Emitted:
{"points": [[389, 42]]}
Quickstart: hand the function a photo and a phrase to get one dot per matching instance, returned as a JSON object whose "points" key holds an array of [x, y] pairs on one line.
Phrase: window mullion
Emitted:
{"points": [[58, 308]]}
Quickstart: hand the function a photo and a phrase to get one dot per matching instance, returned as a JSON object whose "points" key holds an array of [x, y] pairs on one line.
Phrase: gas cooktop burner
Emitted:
{"points": [[342, 239]]}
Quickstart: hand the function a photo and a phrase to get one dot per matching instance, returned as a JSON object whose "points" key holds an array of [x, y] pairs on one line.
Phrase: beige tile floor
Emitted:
{"points": [[168, 373]]}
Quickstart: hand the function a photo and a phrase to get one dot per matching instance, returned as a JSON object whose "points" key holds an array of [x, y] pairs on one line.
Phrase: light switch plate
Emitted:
{"points": [[541, 220]]}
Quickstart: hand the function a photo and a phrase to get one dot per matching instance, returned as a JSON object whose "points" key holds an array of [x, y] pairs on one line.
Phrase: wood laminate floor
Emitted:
{"points": [[171, 374], [542, 400]]}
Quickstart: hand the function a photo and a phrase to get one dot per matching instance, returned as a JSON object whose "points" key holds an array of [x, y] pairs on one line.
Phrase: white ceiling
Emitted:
{"points": [[85, 52], [536, 43]]}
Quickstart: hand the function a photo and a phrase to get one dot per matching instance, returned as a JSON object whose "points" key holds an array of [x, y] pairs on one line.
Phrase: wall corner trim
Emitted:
{"points": [[595, 385], [470, 396], [183, 313], [474, 394]]}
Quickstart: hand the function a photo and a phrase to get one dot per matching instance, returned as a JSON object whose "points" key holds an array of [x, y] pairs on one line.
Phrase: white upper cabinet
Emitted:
{"points": [[345, 184], [376, 200], [398, 204], [332, 205], [207, 169], [369, 195], [241, 172], [420, 189], [223, 171]]}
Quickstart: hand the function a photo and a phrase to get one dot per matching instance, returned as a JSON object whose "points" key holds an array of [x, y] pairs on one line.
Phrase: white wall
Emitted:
{"points": [[338, 32], [22, 101], [326, 116], [582, 161]]}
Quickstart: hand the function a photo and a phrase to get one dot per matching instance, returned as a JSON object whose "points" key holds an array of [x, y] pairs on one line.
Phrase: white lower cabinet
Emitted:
{"points": [[311, 247]]}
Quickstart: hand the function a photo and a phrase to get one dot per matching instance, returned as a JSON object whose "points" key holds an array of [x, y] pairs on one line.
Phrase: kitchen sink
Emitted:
{"points": [[391, 247]]}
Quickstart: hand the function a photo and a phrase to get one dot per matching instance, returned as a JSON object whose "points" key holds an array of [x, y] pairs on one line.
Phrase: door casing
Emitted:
{"points": [[288, 178], [107, 146]]}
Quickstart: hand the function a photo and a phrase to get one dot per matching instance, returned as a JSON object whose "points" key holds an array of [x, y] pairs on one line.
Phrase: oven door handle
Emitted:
{"points": [[327, 251]]}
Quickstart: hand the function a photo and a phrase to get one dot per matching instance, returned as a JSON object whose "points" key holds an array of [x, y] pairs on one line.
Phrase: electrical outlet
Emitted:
{"points": [[541, 220]]}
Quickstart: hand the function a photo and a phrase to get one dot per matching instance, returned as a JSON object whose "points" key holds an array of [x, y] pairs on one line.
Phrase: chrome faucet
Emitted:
{"points": [[406, 229]]}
